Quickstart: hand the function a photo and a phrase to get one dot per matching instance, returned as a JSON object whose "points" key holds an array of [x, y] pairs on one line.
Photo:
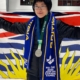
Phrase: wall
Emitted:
{"points": [[63, 8], [14, 5], [3, 5]]}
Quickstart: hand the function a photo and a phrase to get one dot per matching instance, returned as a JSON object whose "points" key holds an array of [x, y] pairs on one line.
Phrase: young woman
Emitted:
{"points": [[43, 38]]}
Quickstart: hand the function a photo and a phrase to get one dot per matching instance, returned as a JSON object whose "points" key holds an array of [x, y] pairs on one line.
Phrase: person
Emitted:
{"points": [[42, 33]]}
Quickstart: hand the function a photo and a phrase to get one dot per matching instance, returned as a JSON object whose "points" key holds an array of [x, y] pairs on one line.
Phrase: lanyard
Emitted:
{"points": [[40, 36]]}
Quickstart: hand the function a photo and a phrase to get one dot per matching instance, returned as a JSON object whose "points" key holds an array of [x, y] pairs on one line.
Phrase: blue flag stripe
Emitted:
{"points": [[2, 56], [2, 68], [66, 39], [13, 45], [19, 37], [70, 47], [68, 59]]}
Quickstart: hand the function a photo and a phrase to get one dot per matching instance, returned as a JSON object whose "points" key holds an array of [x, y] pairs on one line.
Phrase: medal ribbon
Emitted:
{"points": [[40, 37]]}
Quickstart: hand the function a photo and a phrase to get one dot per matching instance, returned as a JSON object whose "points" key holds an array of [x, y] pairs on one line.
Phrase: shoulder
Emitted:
{"points": [[58, 22], [32, 19]]}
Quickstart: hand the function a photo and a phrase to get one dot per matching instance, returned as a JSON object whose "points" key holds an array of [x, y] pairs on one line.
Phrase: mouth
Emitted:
{"points": [[40, 13]]}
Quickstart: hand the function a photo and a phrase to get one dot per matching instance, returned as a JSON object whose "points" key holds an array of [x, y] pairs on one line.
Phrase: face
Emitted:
{"points": [[40, 9]]}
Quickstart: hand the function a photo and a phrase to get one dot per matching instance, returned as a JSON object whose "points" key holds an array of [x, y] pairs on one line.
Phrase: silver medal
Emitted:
{"points": [[38, 53]]}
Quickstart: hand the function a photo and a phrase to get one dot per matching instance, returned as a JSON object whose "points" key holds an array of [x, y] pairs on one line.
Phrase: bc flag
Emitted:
{"points": [[12, 48], [69, 59], [69, 53]]}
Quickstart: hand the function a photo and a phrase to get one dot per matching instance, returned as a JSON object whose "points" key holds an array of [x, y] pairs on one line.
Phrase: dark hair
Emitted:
{"points": [[47, 2]]}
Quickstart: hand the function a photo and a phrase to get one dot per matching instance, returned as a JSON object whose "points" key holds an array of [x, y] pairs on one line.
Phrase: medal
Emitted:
{"points": [[38, 53]]}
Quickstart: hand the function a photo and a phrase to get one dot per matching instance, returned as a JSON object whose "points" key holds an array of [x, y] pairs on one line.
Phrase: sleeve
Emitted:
{"points": [[67, 31], [17, 27]]}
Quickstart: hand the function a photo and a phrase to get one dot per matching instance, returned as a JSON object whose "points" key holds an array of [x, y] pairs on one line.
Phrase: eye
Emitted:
{"points": [[36, 6]]}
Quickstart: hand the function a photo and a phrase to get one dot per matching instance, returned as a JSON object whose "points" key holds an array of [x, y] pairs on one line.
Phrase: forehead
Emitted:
{"points": [[40, 3]]}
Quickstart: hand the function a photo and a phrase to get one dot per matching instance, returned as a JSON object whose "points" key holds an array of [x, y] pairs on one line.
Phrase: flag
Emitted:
{"points": [[73, 46], [69, 53], [12, 47]]}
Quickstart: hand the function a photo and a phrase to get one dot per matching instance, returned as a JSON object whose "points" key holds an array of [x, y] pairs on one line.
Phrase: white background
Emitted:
{"points": [[3, 5]]}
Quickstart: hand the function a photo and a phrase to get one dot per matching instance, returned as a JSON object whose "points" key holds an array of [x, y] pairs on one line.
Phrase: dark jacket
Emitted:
{"points": [[64, 31]]}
